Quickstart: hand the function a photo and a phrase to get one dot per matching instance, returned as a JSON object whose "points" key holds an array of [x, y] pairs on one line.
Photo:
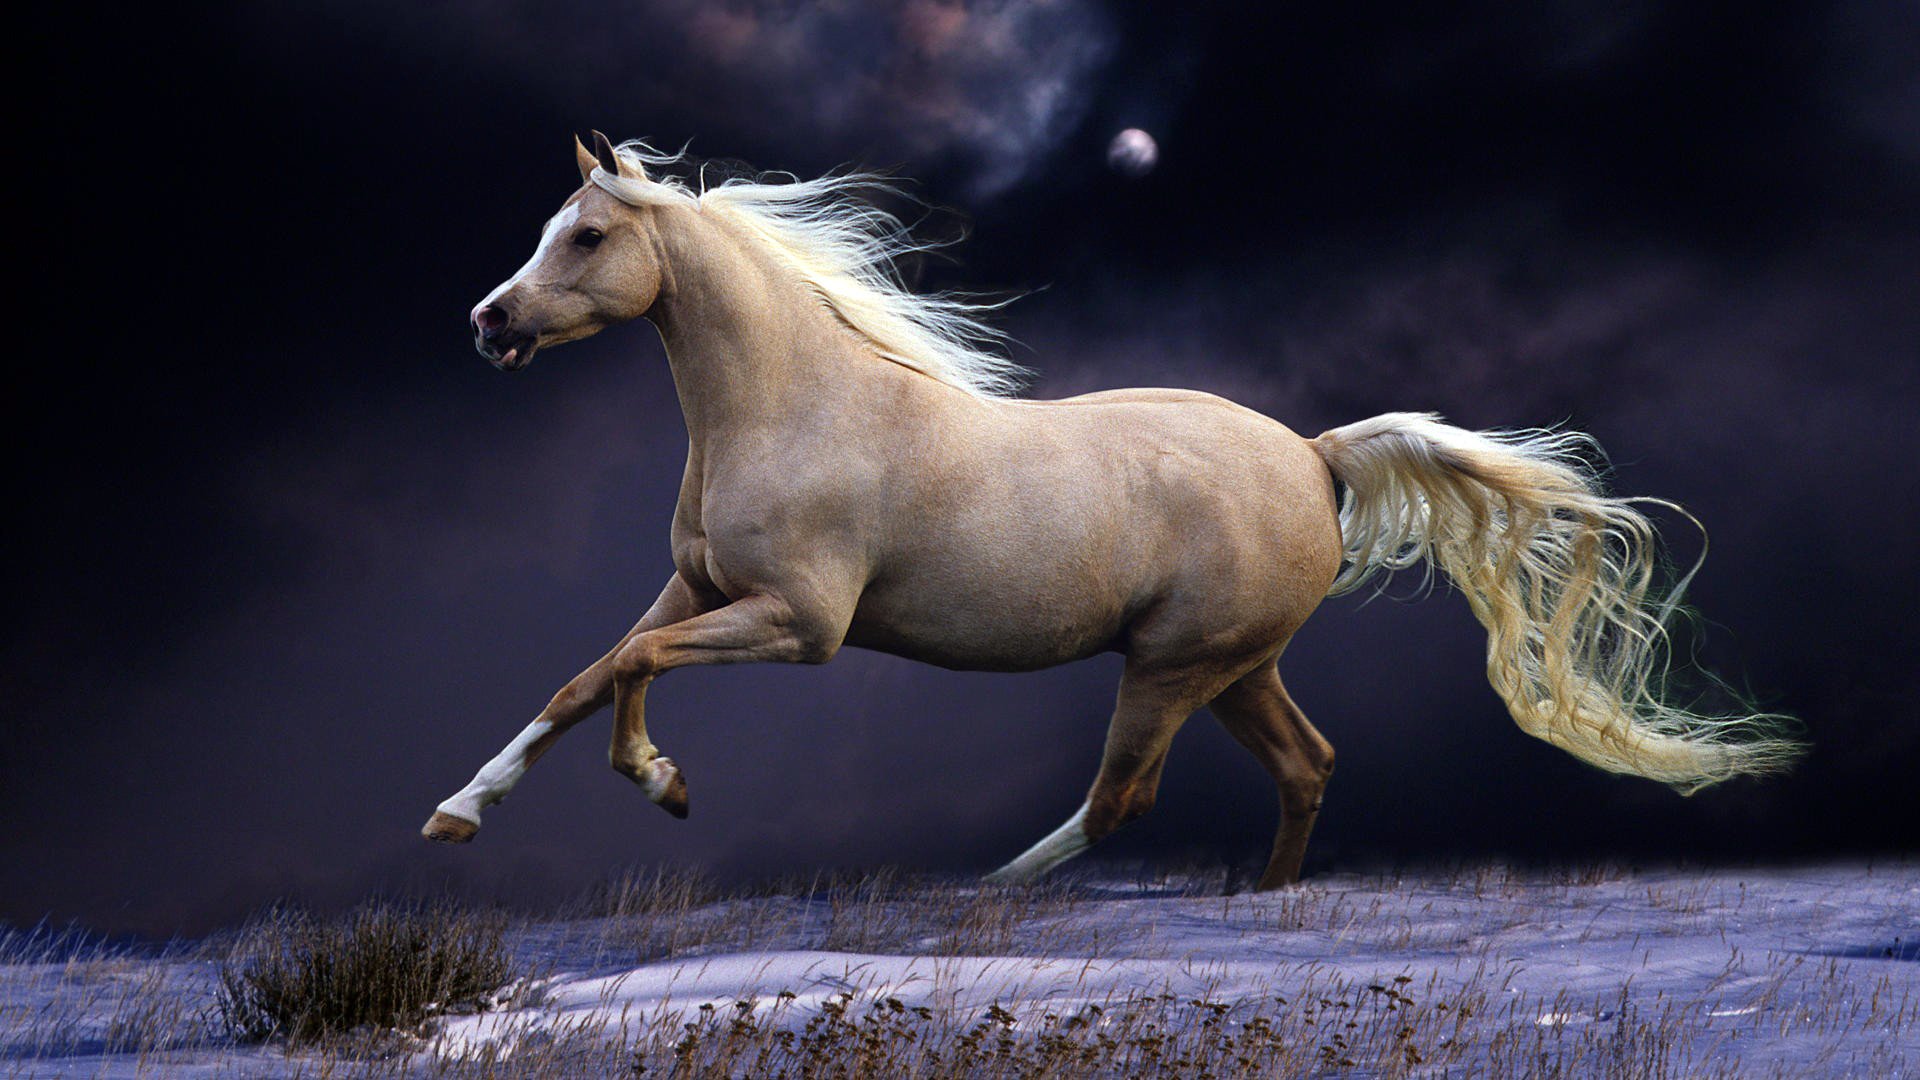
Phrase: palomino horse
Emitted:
{"points": [[859, 474]]}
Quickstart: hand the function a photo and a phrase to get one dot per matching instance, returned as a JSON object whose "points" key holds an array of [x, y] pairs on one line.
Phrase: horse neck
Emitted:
{"points": [[747, 342]]}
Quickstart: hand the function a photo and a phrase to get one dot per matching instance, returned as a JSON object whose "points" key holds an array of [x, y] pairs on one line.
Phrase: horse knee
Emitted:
{"points": [[635, 661]]}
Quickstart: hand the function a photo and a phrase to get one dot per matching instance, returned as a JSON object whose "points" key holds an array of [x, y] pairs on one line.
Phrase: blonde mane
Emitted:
{"points": [[847, 251]]}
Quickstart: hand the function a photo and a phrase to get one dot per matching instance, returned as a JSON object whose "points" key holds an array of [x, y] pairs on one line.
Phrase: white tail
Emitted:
{"points": [[1559, 574]]}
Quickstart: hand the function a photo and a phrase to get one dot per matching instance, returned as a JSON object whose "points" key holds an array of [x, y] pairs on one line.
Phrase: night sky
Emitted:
{"points": [[288, 560]]}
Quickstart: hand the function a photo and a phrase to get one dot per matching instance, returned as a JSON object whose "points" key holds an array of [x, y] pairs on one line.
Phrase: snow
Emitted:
{"points": [[1805, 971]]}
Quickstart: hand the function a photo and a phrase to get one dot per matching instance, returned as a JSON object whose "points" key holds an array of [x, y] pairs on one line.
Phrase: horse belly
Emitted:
{"points": [[981, 628], [1099, 528]]}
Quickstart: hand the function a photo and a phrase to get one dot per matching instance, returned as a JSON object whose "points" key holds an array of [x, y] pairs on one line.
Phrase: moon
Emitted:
{"points": [[1133, 153]]}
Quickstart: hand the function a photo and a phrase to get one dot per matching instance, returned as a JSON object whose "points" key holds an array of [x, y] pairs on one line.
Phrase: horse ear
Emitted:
{"points": [[603, 151], [584, 158]]}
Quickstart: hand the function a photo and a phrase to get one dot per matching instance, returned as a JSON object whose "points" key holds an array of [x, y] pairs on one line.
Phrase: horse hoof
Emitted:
{"points": [[448, 829], [666, 786]]}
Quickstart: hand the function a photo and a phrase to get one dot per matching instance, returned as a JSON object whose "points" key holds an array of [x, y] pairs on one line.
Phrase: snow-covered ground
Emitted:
{"points": [[1482, 971]]}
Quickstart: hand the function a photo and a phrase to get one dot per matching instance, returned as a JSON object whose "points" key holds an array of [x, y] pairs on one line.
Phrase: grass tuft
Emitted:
{"points": [[383, 966]]}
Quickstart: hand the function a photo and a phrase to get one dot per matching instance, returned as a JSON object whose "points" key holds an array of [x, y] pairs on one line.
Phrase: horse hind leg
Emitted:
{"points": [[1151, 709], [1260, 715]]}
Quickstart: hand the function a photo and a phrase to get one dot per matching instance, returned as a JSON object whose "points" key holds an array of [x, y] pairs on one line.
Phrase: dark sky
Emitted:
{"points": [[288, 560]]}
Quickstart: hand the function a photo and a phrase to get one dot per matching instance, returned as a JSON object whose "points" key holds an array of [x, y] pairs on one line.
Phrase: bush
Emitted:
{"points": [[384, 966]]}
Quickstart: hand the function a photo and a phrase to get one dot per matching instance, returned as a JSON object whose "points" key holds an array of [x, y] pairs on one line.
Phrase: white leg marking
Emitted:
{"points": [[656, 776], [496, 777], [1057, 847]]}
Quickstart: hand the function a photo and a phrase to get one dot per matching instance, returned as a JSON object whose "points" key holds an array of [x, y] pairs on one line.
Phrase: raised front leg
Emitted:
{"points": [[458, 819], [757, 627]]}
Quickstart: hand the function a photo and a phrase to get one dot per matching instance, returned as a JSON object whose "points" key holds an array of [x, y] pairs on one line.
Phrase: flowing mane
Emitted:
{"points": [[846, 251]]}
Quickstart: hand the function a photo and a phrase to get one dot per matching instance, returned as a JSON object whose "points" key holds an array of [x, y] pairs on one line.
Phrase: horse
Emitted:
{"points": [[862, 472]]}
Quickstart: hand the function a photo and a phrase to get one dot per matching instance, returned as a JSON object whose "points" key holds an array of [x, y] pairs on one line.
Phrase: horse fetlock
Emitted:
{"points": [[632, 759], [658, 777]]}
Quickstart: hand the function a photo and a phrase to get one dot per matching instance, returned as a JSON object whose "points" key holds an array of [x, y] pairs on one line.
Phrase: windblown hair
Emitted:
{"points": [[1562, 577], [847, 251]]}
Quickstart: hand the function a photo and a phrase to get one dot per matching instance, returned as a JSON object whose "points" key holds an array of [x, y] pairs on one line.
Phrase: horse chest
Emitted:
{"points": [[702, 564], [739, 552]]}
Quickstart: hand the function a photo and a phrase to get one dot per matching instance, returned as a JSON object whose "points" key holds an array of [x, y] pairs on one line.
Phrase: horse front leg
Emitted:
{"points": [[754, 628], [456, 820]]}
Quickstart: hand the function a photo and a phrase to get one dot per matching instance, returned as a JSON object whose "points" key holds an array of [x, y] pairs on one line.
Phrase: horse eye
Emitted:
{"points": [[589, 238]]}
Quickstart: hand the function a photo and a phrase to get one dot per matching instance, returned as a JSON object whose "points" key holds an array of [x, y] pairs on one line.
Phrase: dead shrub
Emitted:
{"points": [[383, 966]]}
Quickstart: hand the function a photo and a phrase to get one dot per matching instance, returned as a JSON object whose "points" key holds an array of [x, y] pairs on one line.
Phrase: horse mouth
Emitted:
{"points": [[510, 354]]}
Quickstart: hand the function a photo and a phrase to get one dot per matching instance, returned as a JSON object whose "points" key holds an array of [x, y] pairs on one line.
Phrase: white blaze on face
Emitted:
{"points": [[558, 228]]}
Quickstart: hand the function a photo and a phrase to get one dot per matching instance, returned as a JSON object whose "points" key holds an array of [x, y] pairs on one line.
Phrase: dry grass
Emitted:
{"points": [[886, 913], [1330, 1026], [650, 893], [666, 914], [383, 967], [368, 993], [69, 993], [1474, 1022]]}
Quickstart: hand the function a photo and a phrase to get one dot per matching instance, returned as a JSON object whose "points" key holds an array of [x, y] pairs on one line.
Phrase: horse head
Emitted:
{"points": [[597, 264]]}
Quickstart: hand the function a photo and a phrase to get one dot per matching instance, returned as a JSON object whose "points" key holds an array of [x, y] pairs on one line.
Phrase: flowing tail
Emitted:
{"points": [[1560, 575]]}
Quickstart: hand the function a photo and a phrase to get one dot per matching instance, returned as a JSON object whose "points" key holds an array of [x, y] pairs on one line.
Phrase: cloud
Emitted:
{"points": [[985, 88], [1509, 323], [993, 85]]}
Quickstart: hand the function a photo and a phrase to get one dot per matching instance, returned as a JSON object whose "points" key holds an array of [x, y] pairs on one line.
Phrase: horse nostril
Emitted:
{"points": [[489, 320]]}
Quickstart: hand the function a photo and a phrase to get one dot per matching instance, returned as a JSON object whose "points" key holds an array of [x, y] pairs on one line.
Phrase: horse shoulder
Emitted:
{"points": [[790, 522]]}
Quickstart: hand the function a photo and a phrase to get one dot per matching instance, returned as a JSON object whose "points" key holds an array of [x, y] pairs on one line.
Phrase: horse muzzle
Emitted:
{"points": [[496, 338]]}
